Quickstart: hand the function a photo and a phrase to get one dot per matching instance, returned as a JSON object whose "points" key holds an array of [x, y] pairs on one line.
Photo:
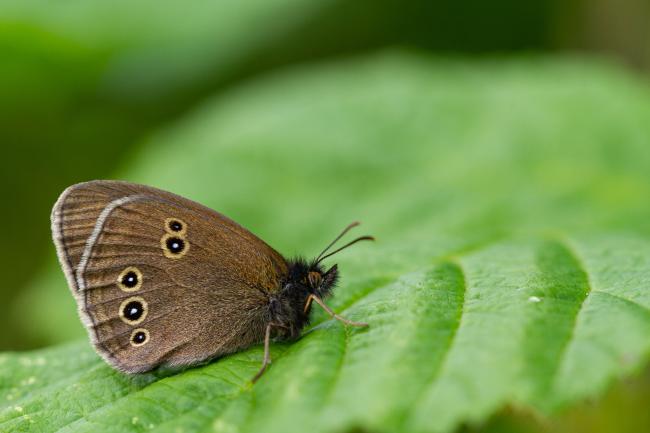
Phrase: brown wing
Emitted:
{"points": [[196, 281]]}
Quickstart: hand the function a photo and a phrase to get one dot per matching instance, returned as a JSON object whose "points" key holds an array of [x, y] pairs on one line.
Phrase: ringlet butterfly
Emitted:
{"points": [[160, 280]]}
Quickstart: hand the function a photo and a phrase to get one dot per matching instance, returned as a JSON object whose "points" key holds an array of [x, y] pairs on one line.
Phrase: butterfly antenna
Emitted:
{"points": [[345, 230], [323, 256], [360, 238]]}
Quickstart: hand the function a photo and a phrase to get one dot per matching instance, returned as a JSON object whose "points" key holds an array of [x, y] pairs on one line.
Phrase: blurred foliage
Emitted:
{"points": [[623, 409], [189, 96]]}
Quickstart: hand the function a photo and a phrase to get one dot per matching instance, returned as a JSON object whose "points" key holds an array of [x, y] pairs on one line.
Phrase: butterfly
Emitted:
{"points": [[160, 280]]}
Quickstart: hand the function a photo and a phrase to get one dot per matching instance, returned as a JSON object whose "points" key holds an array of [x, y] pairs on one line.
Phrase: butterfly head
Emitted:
{"points": [[311, 277], [290, 308], [321, 282], [306, 278]]}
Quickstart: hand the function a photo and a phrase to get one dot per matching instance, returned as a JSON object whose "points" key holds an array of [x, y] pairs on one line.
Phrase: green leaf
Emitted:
{"points": [[512, 266]]}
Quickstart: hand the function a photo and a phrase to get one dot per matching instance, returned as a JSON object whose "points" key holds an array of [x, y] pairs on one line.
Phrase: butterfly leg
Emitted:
{"points": [[267, 350], [329, 311], [267, 353]]}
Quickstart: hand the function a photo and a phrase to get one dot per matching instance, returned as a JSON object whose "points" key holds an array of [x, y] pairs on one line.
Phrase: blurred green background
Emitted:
{"points": [[548, 100], [84, 84]]}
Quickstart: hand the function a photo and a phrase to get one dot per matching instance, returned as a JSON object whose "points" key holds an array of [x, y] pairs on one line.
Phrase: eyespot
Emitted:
{"points": [[174, 247], [130, 279], [133, 310], [175, 226], [139, 337]]}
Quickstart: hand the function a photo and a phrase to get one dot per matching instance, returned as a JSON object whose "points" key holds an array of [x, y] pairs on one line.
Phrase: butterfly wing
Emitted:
{"points": [[160, 279]]}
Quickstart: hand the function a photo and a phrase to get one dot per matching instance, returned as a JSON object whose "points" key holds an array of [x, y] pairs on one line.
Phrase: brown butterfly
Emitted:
{"points": [[162, 280]]}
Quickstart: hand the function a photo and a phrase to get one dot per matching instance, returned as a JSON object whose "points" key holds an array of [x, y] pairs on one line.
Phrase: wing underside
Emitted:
{"points": [[205, 300]]}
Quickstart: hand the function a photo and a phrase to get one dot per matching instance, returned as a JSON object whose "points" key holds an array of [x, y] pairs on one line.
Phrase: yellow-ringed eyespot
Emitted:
{"points": [[130, 279], [175, 226], [133, 310], [139, 337], [173, 246]]}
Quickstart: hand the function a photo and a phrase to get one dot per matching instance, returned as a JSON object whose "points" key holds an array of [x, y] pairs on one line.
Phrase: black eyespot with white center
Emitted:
{"points": [[139, 337], [133, 310], [130, 279], [175, 245], [175, 225]]}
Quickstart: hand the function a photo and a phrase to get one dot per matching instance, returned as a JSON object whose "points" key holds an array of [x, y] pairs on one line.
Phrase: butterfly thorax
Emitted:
{"points": [[287, 307]]}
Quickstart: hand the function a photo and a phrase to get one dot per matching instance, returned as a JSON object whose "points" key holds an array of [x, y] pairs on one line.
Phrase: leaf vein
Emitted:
{"points": [[581, 267], [451, 341]]}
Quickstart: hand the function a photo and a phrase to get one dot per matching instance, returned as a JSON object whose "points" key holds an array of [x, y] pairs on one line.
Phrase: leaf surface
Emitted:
{"points": [[512, 266]]}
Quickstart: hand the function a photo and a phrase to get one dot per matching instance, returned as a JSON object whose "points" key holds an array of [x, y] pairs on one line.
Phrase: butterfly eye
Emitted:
{"points": [[139, 337], [174, 247], [314, 279], [130, 279], [133, 310], [175, 226]]}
